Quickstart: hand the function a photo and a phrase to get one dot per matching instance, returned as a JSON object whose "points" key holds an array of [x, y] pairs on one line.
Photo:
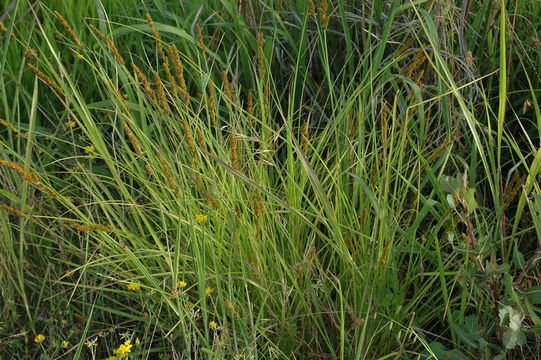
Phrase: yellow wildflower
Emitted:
{"points": [[201, 218], [70, 124], [124, 348], [111, 358], [39, 338], [134, 286], [213, 325], [208, 291], [89, 148], [65, 344], [137, 341], [181, 284]]}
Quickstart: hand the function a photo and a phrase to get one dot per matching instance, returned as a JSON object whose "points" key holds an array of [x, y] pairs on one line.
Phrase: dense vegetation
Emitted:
{"points": [[279, 179]]}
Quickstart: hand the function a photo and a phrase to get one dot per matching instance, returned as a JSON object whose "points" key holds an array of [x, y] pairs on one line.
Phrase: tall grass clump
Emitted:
{"points": [[281, 179]]}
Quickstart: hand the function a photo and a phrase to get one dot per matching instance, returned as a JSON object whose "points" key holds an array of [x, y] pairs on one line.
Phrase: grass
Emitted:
{"points": [[270, 180]]}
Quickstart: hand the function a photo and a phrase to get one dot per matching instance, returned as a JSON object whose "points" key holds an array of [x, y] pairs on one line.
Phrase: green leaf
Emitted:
{"points": [[536, 329], [449, 184], [511, 339], [508, 314], [534, 294], [440, 352], [469, 199], [451, 201], [518, 258], [471, 332]]}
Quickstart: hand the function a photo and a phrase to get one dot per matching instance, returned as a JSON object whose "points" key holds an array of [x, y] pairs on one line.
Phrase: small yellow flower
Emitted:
{"points": [[208, 291], [181, 284], [201, 218], [89, 148], [111, 358], [92, 156], [213, 325], [65, 344], [137, 341], [134, 286], [39, 338], [70, 124], [124, 348]]}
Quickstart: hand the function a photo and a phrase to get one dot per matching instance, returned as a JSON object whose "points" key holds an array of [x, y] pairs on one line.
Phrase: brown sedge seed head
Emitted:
{"points": [[45, 78], [234, 151], [212, 104], [227, 86], [68, 28], [312, 8], [143, 80], [161, 94], [179, 70], [168, 174], [323, 13], [200, 38]]}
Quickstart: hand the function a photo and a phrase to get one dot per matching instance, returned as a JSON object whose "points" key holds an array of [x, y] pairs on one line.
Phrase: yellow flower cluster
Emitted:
{"points": [[134, 286], [90, 150], [181, 284], [124, 349], [39, 338], [201, 218]]}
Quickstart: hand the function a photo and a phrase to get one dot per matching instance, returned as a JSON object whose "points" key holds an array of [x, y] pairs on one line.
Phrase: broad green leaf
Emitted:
{"points": [[449, 184], [511, 339], [534, 294], [469, 199]]}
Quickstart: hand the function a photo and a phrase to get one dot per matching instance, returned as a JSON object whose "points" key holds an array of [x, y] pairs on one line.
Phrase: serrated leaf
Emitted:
{"points": [[515, 321], [503, 314]]}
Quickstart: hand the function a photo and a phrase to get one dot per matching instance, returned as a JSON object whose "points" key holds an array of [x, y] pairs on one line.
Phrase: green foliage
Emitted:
{"points": [[270, 179]]}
